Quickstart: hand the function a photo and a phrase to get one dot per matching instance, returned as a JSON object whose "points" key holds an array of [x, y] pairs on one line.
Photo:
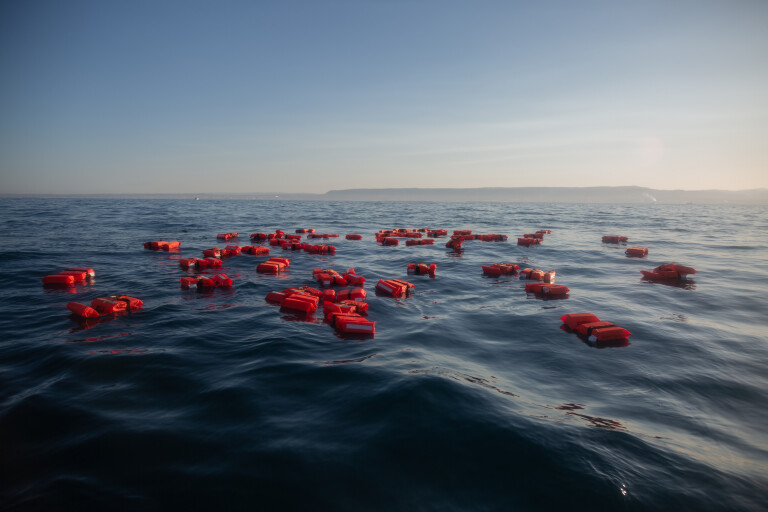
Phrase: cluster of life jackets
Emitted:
{"points": [[329, 277], [228, 251], [536, 238], [591, 328], [461, 235], [413, 236], [202, 283], [105, 306], [544, 286], [343, 309], [199, 263], [69, 277], [260, 237]]}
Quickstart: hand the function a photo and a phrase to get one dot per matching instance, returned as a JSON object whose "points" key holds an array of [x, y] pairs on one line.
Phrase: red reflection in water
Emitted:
{"points": [[211, 307], [685, 284], [540, 296], [295, 316], [98, 338], [89, 323], [59, 289]]}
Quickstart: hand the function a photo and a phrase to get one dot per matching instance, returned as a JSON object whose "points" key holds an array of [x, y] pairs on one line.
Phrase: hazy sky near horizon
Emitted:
{"points": [[304, 96]]}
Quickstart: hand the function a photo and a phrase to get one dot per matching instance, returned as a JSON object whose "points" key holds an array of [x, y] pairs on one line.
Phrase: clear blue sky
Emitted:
{"points": [[307, 96]]}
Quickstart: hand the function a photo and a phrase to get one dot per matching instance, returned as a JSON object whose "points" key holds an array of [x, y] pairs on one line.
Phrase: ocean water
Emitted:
{"points": [[470, 396]]}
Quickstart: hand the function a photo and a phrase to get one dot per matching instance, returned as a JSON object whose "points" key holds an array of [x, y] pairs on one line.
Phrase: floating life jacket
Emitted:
{"points": [[346, 308], [273, 265], [668, 271], [69, 277], [528, 241], [420, 241], [214, 252], [636, 252], [160, 245], [210, 263], [329, 277], [573, 320], [353, 279], [227, 236], [537, 235], [603, 334], [329, 295], [351, 323], [538, 275], [546, 290], [300, 302], [498, 269], [435, 233], [454, 243], [421, 268], [388, 241], [89, 271], [354, 237], [256, 250], [199, 264], [586, 328], [231, 250], [82, 310], [394, 287], [493, 237], [205, 282], [259, 236], [59, 280], [305, 230], [291, 245], [319, 249], [589, 326], [614, 239], [351, 294]]}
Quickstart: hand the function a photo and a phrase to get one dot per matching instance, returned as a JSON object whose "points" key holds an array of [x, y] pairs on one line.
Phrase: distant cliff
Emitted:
{"points": [[553, 195]]}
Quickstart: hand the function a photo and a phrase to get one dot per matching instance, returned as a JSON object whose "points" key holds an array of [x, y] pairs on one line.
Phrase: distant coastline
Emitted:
{"points": [[609, 195]]}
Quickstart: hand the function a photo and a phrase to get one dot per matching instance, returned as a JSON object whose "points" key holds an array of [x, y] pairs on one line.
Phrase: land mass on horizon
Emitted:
{"points": [[614, 195]]}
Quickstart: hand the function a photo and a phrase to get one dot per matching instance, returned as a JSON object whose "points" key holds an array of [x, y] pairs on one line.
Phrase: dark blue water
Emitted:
{"points": [[469, 397]]}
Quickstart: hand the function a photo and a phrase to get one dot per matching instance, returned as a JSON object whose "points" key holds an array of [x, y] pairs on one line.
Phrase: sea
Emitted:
{"points": [[470, 396]]}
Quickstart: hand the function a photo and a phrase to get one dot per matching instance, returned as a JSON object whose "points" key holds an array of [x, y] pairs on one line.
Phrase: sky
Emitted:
{"points": [[286, 96]]}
